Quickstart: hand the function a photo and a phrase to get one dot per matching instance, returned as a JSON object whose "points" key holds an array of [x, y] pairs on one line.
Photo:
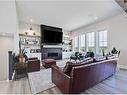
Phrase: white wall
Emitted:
{"points": [[117, 29], [25, 27], [9, 25], [6, 45]]}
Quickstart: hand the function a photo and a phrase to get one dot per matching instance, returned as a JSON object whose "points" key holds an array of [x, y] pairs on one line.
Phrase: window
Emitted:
{"points": [[76, 43], [103, 41], [91, 41], [82, 43]]}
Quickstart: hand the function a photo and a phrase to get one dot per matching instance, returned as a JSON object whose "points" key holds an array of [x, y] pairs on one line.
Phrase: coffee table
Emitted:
{"points": [[47, 63]]}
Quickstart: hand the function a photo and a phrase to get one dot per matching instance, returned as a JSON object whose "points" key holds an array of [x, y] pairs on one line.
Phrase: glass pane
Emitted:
{"points": [[91, 39], [103, 50], [76, 42], [103, 38], [103, 42], [82, 40], [82, 43]]}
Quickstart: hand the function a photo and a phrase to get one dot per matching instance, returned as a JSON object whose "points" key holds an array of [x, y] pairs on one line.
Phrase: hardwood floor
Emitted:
{"points": [[116, 84]]}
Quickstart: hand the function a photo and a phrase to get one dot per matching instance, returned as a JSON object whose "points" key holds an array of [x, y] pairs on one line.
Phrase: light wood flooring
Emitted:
{"points": [[116, 84]]}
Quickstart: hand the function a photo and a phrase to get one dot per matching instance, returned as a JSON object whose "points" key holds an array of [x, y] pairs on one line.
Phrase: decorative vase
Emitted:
{"points": [[21, 59]]}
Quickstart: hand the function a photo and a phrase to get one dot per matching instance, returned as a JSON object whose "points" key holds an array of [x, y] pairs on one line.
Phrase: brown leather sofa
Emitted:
{"points": [[84, 76], [33, 65]]}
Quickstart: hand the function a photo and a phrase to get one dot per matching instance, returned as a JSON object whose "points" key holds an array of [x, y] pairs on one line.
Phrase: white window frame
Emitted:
{"points": [[82, 35], [77, 43], [107, 40], [87, 41], [96, 40]]}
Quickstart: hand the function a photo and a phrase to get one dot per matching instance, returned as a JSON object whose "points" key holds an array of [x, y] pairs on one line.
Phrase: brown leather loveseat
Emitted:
{"points": [[84, 76]]}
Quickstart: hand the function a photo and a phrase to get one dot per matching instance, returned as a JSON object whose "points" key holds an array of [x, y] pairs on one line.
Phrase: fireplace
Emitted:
{"points": [[54, 53]]}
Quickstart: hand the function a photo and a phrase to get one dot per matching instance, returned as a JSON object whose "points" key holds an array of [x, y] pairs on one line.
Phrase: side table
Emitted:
{"points": [[20, 70]]}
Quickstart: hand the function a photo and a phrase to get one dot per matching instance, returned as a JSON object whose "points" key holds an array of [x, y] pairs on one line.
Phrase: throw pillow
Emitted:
{"points": [[85, 59], [98, 59], [66, 69], [111, 57], [69, 65], [90, 61]]}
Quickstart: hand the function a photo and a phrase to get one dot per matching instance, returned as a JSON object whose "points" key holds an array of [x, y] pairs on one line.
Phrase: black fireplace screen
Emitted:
{"points": [[52, 54], [55, 53]]}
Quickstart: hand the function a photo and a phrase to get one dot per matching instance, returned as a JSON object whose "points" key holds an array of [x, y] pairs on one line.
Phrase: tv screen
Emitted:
{"points": [[51, 36]]}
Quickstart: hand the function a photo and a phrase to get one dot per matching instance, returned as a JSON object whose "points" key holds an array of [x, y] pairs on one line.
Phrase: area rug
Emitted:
{"points": [[40, 80], [61, 63]]}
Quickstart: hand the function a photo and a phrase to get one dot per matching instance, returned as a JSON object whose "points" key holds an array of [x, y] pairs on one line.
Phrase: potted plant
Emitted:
{"points": [[89, 54], [22, 56], [115, 52]]}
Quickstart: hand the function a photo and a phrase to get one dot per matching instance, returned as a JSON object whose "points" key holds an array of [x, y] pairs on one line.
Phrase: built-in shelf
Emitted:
{"points": [[29, 41], [67, 42], [30, 45], [30, 35]]}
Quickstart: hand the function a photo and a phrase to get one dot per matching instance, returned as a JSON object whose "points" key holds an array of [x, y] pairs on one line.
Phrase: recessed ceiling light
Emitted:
{"points": [[31, 20]]}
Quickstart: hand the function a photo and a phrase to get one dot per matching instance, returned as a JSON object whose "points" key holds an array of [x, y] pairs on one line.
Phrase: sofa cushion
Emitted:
{"points": [[111, 57], [98, 59], [69, 65], [86, 59]]}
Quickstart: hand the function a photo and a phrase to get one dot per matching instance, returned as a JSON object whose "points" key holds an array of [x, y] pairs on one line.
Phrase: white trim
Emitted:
{"points": [[122, 66], [96, 38], [13, 76]]}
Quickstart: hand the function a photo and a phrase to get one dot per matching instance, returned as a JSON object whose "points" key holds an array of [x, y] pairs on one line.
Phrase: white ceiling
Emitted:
{"points": [[68, 14]]}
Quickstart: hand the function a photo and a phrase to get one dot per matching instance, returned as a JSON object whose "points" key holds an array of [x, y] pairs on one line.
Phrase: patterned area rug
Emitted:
{"points": [[40, 81]]}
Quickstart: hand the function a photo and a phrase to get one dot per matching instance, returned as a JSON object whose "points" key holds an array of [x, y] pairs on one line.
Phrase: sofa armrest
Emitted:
{"points": [[61, 80]]}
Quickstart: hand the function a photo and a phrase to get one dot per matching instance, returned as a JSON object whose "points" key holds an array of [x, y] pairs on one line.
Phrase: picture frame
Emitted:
{"points": [[23, 40]]}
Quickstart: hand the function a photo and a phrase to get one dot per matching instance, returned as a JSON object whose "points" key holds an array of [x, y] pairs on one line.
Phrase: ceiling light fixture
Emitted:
{"points": [[31, 20]]}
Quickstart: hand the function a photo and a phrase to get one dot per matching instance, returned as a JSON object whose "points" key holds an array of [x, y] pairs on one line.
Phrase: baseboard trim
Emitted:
{"points": [[122, 66]]}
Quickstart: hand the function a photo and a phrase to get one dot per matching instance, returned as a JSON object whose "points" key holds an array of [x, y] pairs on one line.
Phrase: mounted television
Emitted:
{"points": [[51, 35]]}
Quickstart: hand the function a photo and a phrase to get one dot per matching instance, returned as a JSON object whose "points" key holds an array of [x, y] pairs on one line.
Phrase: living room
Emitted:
{"points": [[46, 36]]}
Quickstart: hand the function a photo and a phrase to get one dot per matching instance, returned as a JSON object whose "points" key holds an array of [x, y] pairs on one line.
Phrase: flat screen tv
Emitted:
{"points": [[51, 35]]}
